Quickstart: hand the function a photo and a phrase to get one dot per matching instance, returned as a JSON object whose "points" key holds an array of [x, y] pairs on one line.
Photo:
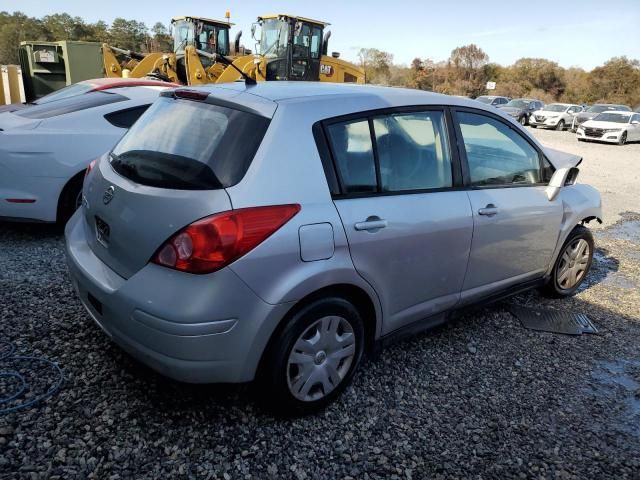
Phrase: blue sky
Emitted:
{"points": [[573, 33]]}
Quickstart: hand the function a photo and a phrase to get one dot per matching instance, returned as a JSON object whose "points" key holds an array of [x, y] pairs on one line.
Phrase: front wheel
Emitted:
{"points": [[623, 138], [560, 126], [314, 358], [533, 126], [572, 265], [523, 120]]}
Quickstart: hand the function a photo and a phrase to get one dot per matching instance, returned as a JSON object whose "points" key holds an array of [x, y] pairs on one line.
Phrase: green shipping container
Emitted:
{"points": [[50, 66]]}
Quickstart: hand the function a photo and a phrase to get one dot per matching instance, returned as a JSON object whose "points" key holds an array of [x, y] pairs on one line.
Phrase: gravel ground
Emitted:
{"points": [[480, 397]]}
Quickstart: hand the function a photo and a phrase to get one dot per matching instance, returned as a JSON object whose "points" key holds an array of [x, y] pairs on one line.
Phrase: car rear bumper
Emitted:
{"points": [[192, 328]]}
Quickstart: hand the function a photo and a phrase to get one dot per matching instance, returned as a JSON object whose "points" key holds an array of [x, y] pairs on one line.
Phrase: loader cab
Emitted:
{"points": [[211, 36], [292, 47]]}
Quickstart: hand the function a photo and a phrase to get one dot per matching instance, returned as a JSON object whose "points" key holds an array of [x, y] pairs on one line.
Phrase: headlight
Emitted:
{"points": [[608, 130]]}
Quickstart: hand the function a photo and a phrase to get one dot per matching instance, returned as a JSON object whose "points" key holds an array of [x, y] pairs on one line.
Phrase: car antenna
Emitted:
{"points": [[222, 59]]}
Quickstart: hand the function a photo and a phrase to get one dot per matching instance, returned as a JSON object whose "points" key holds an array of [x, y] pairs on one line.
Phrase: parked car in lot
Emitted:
{"points": [[87, 86], [594, 110], [45, 149], [521, 109], [277, 232], [555, 115], [614, 127], [494, 100]]}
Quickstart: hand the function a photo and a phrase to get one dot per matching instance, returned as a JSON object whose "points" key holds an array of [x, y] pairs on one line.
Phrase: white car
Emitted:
{"points": [[45, 149], [613, 127], [555, 115]]}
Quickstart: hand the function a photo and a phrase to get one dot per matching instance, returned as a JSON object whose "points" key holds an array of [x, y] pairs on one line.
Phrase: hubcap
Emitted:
{"points": [[321, 358], [573, 264]]}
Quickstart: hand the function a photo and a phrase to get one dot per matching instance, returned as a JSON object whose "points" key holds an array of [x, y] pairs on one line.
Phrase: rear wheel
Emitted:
{"points": [[70, 199], [560, 125], [314, 358], [623, 138], [572, 265]]}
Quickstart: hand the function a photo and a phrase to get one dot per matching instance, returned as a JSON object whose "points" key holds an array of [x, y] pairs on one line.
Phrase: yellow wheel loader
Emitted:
{"points": [[190, 34], [290, 48]]}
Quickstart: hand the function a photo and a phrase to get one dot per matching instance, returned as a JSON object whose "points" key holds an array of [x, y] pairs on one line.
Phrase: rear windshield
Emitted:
{"points": [[189, 145], [71, 104], [68, 91]]}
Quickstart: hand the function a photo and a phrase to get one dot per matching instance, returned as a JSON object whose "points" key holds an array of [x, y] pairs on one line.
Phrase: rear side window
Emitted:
{"points": [[125, 118], [413, 151], [496, 154], [353, 152], [71, 104], [189, 145]]}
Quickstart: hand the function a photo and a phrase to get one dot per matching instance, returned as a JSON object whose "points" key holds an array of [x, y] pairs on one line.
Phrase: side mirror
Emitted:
{"points": [[635, 122], [253, 31], [561, 177]]}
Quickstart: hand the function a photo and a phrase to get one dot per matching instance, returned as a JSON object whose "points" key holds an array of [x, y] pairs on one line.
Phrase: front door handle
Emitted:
{"points": [[371, 223], [490, 210]]}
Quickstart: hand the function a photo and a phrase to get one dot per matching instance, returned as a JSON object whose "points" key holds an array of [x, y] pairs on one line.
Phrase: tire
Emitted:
{"points": [[560, 126], [562, 282], [70, 199], [330, 363], [523, 120], [533, 126], [623, 139]]}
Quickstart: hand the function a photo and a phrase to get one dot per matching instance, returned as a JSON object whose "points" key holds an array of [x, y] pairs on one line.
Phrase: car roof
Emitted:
{"points": [[281, 91], [108, 83]]}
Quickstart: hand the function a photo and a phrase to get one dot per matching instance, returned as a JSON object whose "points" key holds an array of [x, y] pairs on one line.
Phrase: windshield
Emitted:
{"points": [[203, 147], [518, 104], [555, 107], [604, 108], [183, 35], [274, 37], [484, 99], [71, 104], [204, 36], [69, 91], [612, 117]]}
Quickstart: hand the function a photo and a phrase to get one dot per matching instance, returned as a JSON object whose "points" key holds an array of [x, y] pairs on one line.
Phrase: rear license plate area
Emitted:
{"points": [[103, 232]]}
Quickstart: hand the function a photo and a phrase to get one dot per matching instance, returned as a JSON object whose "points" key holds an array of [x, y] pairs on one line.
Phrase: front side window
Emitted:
{"points": [[496, 154], [353, 153], [413, 151]]}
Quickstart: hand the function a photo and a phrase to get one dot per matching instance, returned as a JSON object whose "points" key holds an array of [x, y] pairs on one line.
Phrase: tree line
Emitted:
{"points": [[465, 72], [468, 69], [128, 34]]}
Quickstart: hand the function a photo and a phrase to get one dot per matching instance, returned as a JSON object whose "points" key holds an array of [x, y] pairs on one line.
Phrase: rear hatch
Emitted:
{"points": [[168, 171]]}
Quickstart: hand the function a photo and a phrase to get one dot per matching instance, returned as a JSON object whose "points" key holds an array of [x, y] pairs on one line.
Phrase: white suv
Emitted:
{"points": [[555, 115]]}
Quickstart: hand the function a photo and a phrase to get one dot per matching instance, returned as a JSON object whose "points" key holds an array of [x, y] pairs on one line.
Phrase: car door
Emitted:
{"points": [[515, 226], [634, 128], [407, 220]]}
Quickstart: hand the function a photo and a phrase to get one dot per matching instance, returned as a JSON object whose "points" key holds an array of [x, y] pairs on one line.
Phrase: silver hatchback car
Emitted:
{"points": [[278, 232]]}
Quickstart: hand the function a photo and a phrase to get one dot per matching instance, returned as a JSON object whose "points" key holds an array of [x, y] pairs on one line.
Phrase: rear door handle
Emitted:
{"points": [[371, 223], [490, 210]]}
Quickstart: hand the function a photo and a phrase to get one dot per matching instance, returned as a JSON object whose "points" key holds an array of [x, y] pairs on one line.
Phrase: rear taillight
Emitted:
{"points": [[214, 242], [90, 167]]}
